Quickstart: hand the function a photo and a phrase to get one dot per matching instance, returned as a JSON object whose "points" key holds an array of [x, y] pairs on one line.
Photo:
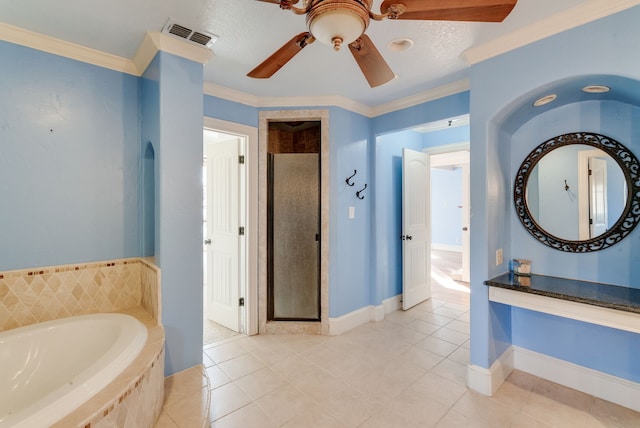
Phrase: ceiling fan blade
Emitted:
{"points": [[373, 66], [282, 56], [453, 10]]}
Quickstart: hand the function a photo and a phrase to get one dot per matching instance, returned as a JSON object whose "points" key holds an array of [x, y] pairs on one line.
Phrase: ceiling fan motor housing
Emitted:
{"points": [[334, 22]]}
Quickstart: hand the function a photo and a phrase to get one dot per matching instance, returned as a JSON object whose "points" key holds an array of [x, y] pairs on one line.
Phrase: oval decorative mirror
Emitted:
{"points": [[579, 192]]}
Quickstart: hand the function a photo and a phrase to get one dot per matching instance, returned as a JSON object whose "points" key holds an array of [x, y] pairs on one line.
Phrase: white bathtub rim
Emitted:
{"points": [[88, 383]]}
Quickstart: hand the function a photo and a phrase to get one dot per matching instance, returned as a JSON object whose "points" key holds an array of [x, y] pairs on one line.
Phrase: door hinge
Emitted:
{"points": [[241, 301], [241, 159], [241, 230]]}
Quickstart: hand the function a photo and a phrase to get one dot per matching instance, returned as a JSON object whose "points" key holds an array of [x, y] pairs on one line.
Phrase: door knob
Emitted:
{"points": [[207, 242], [465, 228], [407, 237]]}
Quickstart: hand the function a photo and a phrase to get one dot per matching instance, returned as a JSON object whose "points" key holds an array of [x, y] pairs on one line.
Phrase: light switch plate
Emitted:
{"points": [[499, 257], [352, 212]]}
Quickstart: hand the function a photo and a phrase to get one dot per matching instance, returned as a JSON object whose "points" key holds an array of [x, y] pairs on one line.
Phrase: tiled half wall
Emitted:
{"points": [[35, 295]]}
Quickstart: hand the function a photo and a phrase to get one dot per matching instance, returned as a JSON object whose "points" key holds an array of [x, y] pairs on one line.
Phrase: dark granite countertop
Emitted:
{"points": [[591, 293]]}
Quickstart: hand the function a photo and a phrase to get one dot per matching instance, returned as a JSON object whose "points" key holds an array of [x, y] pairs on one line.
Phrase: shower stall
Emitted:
{"points": [[293, 222]]}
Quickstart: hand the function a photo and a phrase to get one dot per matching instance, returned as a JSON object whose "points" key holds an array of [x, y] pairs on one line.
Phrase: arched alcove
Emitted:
{"points": [[148, 211]]}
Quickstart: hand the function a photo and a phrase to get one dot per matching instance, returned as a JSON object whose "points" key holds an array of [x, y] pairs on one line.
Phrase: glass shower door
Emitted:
{"points": [[294, 237]]}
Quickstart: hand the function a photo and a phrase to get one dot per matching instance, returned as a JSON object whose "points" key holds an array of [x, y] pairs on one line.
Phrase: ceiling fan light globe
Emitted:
{"points": [[337, 24]]}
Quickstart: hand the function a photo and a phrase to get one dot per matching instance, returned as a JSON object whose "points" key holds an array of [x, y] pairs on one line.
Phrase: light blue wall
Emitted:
{"points": [[504, 128], [179, 206], [446, 199], [230, 111], [350, 269], [69, 154]]}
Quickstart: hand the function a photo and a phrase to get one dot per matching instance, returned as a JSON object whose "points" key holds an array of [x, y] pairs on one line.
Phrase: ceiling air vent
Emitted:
{"points": [[199, 37]]}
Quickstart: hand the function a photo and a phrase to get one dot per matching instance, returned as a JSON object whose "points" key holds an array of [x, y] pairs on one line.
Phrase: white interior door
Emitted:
{"points": [[598, 196], [223, 239], [416, 232]]}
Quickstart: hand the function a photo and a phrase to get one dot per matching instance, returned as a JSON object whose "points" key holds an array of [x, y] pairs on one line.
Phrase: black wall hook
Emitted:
{"points": [[360, 191], [348, 180]]}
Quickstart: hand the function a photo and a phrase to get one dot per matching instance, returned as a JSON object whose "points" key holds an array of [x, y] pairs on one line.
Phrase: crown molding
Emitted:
{"points": [[319, 101], [152, 43], [223, 92], [422, 97], [155, 41], [229, 94], [30, 39], [566, 20]]}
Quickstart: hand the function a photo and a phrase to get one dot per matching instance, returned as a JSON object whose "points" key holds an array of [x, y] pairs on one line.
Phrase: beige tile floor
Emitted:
{"points": [[406, 371]]}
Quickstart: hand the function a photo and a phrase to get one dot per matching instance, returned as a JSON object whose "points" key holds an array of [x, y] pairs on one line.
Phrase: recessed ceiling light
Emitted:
{"points": [[399, 45], [544, 100], [596, 89]]}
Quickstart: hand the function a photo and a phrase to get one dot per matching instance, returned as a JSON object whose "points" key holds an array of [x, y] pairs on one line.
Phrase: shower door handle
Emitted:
{"points": [[207, 242]]}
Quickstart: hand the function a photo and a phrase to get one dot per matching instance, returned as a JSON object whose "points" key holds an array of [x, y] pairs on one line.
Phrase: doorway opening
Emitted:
{"points": [[230, 264], [293, 221], [450, 214]]}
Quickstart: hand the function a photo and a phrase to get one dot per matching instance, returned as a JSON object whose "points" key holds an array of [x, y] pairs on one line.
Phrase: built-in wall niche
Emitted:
{"points": [[148, 205]]}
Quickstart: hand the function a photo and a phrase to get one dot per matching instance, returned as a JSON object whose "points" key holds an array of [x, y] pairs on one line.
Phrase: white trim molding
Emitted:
{"points": [[30, 39], [155, 42], [487, 381], [364, 315], [422, 97], [573, 17], [602, 385], [152, 43], [622, 320], [219, 91]]}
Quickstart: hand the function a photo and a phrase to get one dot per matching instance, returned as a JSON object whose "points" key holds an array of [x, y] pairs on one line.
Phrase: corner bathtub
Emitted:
{"points": [[49, 369]]}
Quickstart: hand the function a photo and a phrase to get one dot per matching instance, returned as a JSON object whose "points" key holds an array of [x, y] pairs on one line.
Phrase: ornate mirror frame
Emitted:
{"points": [[628, 219]]}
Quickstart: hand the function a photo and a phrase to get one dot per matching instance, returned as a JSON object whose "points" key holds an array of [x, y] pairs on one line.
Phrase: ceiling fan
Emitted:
{"points": [[338, 22]]}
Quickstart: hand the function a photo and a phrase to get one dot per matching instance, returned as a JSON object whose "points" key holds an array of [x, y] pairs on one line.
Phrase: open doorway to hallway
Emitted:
{"points": [[223, 258], [230, 230], [450, 215]]}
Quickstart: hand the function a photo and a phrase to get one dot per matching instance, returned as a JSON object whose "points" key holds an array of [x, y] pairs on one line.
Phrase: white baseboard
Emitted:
{"points": [[447, 247], [602, 385], [607, 387], [487, 381], [392, 304], [364, 315]]}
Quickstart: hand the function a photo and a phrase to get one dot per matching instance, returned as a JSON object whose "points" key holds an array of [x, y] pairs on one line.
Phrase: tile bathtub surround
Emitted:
{"points": [[35, 295], [135, 398]]}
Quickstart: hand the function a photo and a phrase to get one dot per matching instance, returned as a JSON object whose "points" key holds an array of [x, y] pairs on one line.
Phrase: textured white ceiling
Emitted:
{"points": [[251, 30]]}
